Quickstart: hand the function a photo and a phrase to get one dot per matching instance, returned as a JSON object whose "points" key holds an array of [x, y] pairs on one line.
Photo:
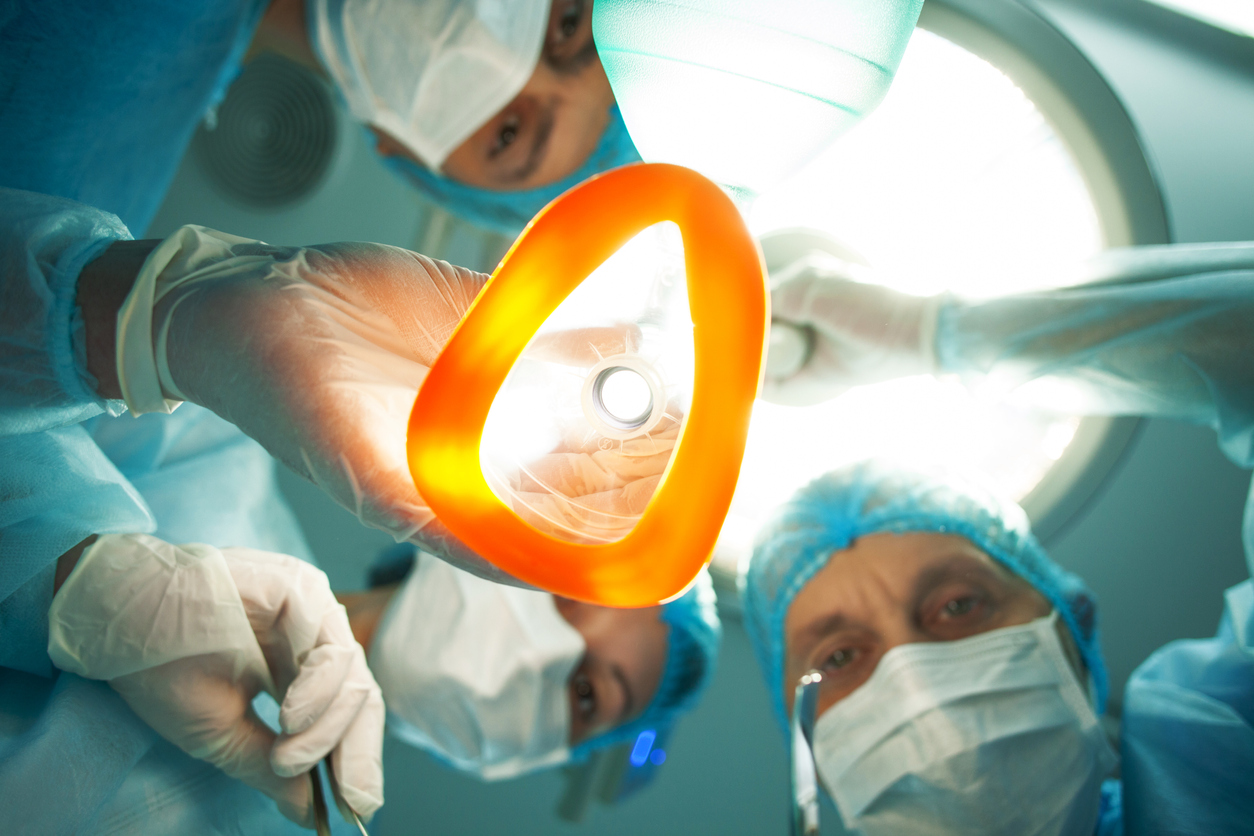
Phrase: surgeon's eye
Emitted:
{"points": [[568, 22], [841, 658], [505, 135], [957, 607], [955, 613], [568, 46], [585, 696]]}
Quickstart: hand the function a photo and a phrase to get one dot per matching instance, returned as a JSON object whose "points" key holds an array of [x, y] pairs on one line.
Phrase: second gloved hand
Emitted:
{"points": [[588, 488], [593, 489], [858, 333], [189, 635]]}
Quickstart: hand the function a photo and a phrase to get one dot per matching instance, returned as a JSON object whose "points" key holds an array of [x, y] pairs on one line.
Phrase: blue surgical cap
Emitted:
{"points": [[508, 212], [692, 647], [833, 511]]}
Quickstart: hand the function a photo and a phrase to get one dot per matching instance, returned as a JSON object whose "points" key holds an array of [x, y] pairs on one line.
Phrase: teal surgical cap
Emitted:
{"points": [[833, 511], [508, 212], [692, 647]]}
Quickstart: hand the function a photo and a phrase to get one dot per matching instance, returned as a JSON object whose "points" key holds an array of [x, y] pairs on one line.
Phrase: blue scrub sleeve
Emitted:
{"points": [[64, 751], [24, 624], [44, 244], [58, 486], [1162, 331], [1188, 731]]}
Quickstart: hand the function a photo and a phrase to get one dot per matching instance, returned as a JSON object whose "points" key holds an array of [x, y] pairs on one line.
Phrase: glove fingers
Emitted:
{"points": [[320, 679], [584, 346], [297, 753], [569, 474], [358, 760], [246, 757], [287, 601]]}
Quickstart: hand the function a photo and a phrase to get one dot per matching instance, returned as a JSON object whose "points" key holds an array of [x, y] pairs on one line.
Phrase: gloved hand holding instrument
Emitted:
{"points": [[190, 634]]}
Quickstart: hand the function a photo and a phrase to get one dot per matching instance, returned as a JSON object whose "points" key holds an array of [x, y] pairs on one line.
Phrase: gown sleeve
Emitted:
{"points": [[1188, 731], [44, 244], [1166, 331], [56, 485]]}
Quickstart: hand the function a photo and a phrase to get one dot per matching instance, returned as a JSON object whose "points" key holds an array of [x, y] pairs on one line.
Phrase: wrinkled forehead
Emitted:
{"points": [[883, 578]]}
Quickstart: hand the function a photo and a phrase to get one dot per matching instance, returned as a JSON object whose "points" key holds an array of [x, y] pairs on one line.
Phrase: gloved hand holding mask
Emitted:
{"points": [[315, 352], [189, 635], [855, 333]]}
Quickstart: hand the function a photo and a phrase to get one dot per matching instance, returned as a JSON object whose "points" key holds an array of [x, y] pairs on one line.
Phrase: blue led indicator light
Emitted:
{"points": [[658, 757], [640, 751]]}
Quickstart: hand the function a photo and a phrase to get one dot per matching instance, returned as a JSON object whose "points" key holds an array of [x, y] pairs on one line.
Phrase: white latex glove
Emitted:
{"points": [[858, 333], [315, 352], [593, 489], [189, 635]]}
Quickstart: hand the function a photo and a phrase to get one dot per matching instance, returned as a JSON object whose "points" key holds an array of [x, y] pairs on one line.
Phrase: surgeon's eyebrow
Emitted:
{"points": [[629, 700], [958, 566], [539, 147], [811, 634], [573, 64], [817, 628]]}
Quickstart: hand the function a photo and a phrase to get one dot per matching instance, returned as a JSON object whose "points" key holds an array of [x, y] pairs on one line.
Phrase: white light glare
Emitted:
{"points": [[626, 396], [1236, 16]]}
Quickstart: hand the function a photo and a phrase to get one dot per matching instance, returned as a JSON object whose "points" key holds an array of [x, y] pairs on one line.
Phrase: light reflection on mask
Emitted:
{"points": [[991, 734]]}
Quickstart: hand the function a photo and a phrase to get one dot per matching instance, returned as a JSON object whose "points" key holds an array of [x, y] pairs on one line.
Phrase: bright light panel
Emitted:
{"points": [[1234, 15], [956, 183]]}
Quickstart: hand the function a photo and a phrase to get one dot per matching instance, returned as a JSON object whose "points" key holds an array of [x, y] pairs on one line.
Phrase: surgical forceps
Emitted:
{"points": [[805, 790], [322, 820]]}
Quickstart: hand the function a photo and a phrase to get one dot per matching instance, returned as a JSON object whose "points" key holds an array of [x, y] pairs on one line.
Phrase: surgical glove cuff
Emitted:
{"points": [[143, 371]]}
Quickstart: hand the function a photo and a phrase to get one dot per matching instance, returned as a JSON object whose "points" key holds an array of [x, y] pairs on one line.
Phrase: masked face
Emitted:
{"points": [[553, 125], [475, 672], [950, 703], [428, 73], [500, 681], [990, 735], [492, 93]]}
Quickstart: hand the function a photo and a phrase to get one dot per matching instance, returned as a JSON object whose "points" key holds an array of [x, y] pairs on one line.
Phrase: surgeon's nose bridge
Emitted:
{"points": [[890, 612], [901, 629]]}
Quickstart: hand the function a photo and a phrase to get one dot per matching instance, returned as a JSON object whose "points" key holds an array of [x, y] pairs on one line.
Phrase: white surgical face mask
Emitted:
{"points": [[475, 672], [429, 72], [987, 735]]}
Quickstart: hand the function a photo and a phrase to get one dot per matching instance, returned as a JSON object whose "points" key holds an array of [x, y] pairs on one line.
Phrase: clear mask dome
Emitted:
{"points": [[583, 429]]}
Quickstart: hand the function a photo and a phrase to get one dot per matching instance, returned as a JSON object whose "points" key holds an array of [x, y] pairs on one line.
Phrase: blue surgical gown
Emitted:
{"points": [[98, 102], [1161, 331]]}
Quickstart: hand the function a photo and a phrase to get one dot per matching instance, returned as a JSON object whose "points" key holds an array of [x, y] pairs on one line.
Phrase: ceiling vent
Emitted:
{"points": [[272, 139]]}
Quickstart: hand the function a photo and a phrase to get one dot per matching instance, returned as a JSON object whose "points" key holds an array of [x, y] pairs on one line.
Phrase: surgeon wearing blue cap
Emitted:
{"points": [[960, 665], [498, 681], [492, 109], [962, 679]]}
